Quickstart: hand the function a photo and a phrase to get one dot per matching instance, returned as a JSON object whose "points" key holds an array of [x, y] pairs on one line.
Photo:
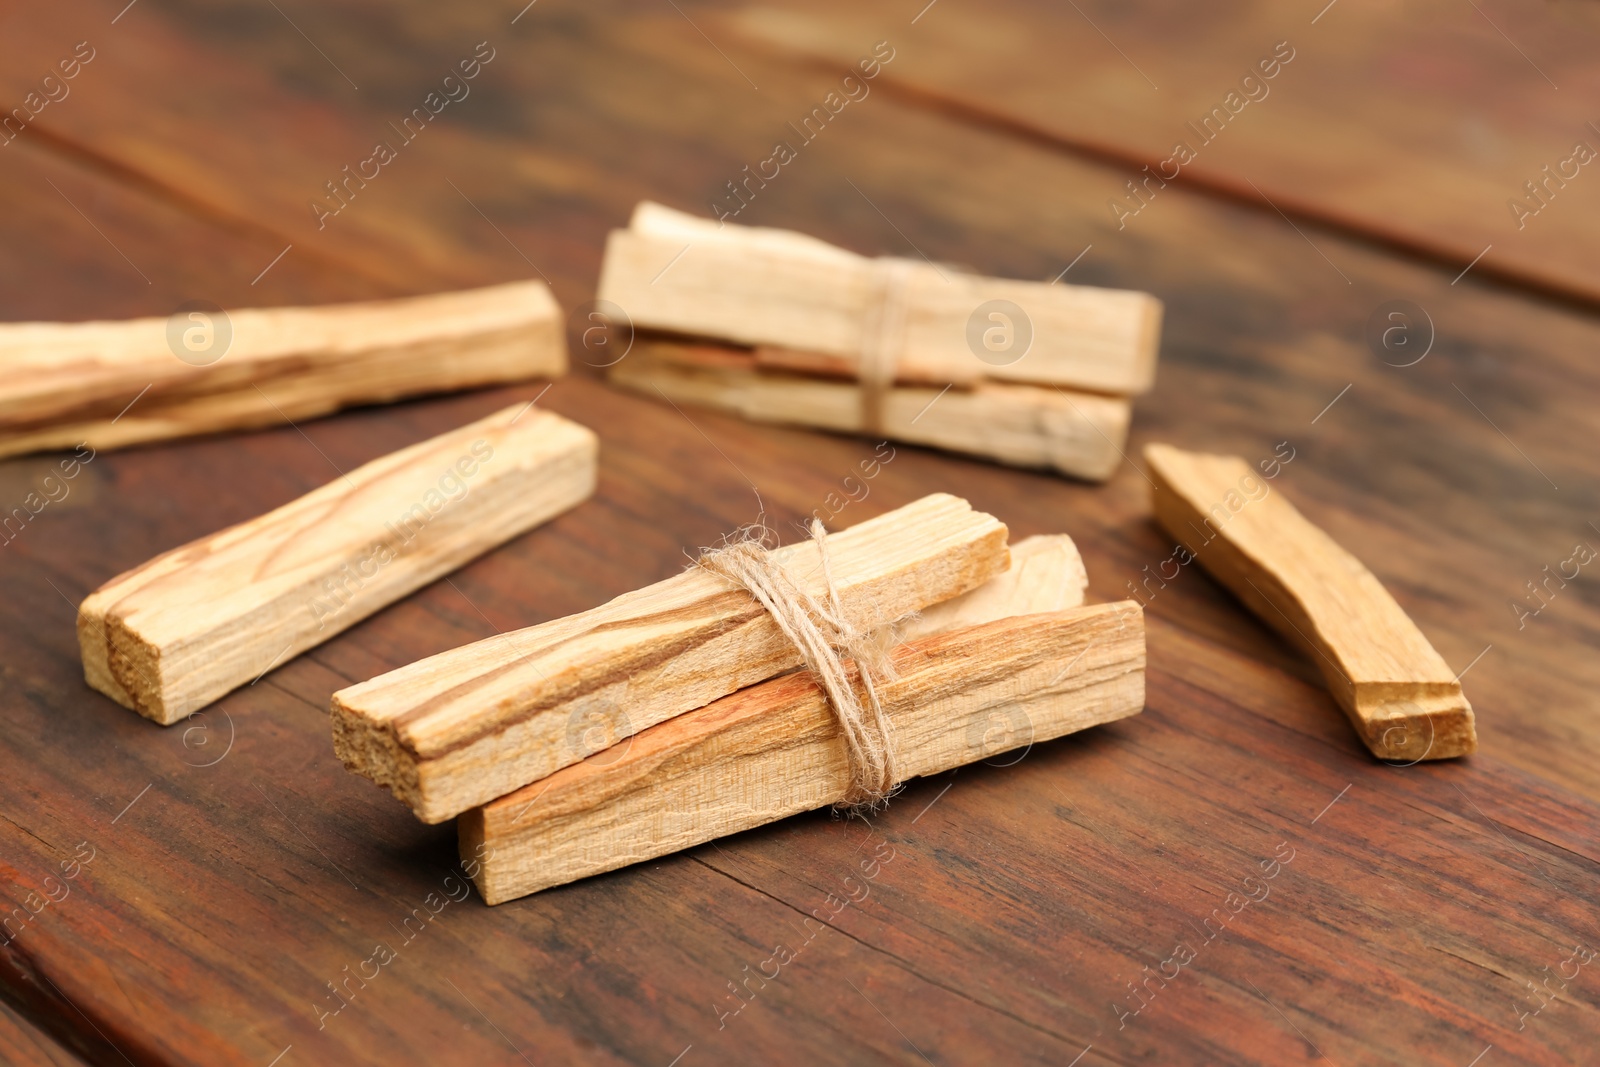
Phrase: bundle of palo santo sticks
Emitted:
{"points": [[781, 327], [677, 713]]}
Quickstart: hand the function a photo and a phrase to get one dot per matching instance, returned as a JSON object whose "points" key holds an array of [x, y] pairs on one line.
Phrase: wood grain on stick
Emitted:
{"points": [[1403, 699], [172, 635], [1046, 574], [119, 383], [775, 749], [458, 729], [824, 306], [1080, 434]]}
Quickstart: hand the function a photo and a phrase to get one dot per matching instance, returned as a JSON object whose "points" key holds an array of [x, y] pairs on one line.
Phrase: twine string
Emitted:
{"points": [[883, 336], [825, 637]]}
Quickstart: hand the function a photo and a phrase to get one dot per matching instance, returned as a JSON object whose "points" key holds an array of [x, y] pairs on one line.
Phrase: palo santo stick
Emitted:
{"points": [[755, 286], [1404, 701], [1046, 574], [463, 727], [775, 750], [119, 383], [171, 636], [1080, 434], [772, 357]]}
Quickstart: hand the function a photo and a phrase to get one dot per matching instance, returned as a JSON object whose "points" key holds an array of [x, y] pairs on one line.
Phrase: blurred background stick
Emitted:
{"points": [[1080, 434], [114, 384]]}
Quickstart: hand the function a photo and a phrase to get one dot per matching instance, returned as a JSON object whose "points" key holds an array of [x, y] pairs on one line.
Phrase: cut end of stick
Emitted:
{"points": [[1411, 729], [119, 663], [372, 750], [475, 853], [1147, 347]]}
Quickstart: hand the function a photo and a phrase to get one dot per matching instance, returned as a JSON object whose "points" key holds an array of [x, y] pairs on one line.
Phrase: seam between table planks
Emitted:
{"points": [[136, 180], [900, 962], [956, 109], [1215, 188]]}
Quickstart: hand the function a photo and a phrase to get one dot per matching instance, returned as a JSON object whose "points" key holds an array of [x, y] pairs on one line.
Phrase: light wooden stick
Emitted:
{"points": [[775, 750], [754, 286], [1405, 702], [119, 383], [171, 636], [1046, 574], [1081, 434], [463, 727]]}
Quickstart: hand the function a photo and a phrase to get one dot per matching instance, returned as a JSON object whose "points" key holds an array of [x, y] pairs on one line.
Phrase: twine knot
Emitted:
{"points": [[825, 637]]}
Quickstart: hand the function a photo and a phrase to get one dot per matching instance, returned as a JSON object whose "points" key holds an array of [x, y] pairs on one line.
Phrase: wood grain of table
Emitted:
{"points": [[238, 870]]}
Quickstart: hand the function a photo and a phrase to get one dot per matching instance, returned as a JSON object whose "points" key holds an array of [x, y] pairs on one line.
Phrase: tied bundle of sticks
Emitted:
{"points": [[757, 684], [781, 327], [823, 635]]}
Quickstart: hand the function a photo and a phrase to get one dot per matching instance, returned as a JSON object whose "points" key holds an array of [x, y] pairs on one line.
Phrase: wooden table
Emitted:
{"points": [[237, 870]]}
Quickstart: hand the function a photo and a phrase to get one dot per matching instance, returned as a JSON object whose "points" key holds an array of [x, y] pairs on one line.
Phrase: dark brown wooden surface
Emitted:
{"points": [[237, 869], [25, 1045], [1376, 121]]}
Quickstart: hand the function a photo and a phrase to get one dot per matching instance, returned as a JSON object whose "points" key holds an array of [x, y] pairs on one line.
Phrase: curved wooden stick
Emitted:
{"points": [[1399, 693]]}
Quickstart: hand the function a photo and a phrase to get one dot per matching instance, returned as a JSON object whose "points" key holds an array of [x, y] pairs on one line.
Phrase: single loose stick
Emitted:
{"points": [[119, 383], [1081, 434], [775, 750], [822, 304], [167, 638], [1402, 698], [463, 727]]}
